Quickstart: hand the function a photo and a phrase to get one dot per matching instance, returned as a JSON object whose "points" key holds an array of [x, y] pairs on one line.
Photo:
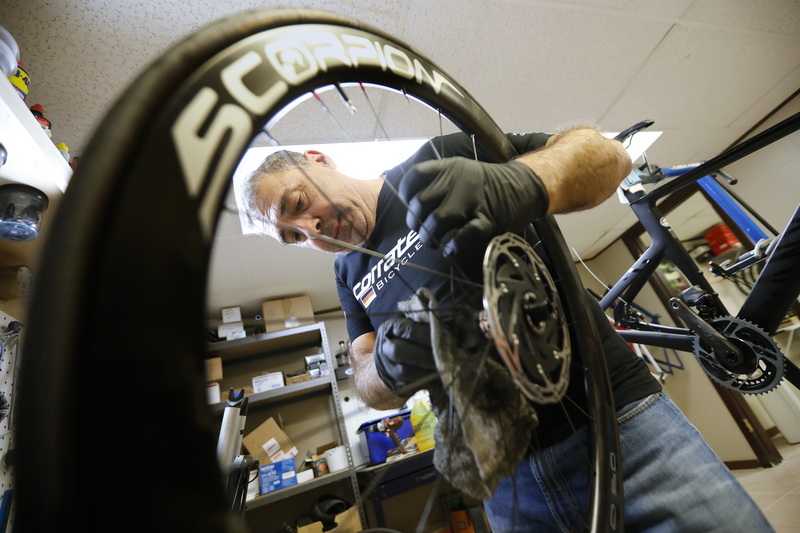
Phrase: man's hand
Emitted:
{"points": [[579, 167], [403, 355], [460, 203]]}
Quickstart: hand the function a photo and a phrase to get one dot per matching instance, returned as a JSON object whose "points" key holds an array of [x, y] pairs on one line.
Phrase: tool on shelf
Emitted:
{"points": [[235, 468], [389, 427]]}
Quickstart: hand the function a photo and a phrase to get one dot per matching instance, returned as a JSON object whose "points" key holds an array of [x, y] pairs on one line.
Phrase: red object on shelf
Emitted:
{"points": [[38, 112], [721, 239]]}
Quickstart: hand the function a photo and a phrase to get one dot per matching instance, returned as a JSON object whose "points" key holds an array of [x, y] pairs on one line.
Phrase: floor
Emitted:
{"points": [[777, 490]]}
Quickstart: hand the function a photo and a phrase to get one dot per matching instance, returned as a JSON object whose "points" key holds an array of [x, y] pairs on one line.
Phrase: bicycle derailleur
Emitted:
{"points": [[734, 352], [524, 316]]}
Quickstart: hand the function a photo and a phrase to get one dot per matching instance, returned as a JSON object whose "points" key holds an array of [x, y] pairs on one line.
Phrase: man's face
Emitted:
{"points": [[307, 205]]}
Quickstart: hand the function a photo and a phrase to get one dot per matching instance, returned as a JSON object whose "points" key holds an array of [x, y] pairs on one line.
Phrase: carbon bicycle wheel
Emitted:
{"points": [[120, 296]]}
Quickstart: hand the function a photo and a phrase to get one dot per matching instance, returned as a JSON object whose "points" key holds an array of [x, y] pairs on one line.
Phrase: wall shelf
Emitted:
{"points": [[266, 342], [294, 490], [309, 412], [287, 392], [33, 158]]}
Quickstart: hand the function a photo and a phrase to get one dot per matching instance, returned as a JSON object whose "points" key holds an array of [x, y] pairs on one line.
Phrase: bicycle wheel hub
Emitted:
{"points": [[525, 318]]}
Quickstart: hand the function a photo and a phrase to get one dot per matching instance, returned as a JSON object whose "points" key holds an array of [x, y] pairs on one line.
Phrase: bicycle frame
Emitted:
{"points": [[771, 296], [664, 244]]}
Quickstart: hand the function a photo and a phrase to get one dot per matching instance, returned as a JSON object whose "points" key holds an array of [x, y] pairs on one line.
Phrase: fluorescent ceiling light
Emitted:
{"points": [[368, 160]]}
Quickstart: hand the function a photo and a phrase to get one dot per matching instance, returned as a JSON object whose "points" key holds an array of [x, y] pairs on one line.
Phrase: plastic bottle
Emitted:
{"points": [[38, 112], [64, 150], [342, 357], [21, 81], [424, 422]]}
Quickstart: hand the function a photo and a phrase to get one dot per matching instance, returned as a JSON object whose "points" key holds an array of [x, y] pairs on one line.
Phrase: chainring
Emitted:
{"points": [[525, 319], [763, 371]]}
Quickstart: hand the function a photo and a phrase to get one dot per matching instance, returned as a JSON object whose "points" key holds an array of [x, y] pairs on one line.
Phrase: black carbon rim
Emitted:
{"points": [[133, 234]]}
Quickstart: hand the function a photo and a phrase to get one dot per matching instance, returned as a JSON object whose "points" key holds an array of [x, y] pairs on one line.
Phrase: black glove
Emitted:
{"points": [[403, 355], [473, 200]]}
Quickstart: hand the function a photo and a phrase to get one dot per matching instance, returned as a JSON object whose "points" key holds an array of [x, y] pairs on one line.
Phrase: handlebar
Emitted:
{"points": [[651, 174], [731, 155], [624, 134]]}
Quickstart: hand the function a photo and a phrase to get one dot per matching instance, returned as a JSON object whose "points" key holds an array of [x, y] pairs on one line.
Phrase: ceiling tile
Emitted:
{"points": [[540, 76], [771, 16], [705, 77]]}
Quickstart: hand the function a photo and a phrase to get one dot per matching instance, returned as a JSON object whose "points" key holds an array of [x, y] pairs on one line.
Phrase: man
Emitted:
{"points": [[673, 481]]}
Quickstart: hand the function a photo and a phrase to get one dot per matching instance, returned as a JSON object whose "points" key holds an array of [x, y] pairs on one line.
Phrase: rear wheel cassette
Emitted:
{"points": [[526, 319], [760, 373]]}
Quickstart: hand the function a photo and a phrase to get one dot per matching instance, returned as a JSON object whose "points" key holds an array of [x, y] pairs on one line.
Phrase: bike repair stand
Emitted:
{"points": [[235, 467]]}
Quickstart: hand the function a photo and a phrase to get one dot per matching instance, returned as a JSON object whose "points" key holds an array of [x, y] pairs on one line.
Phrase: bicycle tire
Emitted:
{"points": [[132, 235]]}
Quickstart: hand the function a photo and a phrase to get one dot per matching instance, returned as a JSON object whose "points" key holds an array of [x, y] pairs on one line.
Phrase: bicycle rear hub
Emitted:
{"points": [[524, 317]]}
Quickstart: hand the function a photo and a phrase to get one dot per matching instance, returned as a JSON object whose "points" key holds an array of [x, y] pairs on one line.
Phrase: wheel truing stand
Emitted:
{"points": [[235, 467]]}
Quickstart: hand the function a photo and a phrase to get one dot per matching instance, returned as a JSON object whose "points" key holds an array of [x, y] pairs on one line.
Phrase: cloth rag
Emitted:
{"points": [[484, 422]]}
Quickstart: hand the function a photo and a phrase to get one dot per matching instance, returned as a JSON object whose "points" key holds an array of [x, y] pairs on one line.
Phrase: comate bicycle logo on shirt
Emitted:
{"points": [[380, 275]]}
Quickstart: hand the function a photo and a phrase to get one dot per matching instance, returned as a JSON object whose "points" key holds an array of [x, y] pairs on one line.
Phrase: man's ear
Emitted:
{"points": [[319, 157]]}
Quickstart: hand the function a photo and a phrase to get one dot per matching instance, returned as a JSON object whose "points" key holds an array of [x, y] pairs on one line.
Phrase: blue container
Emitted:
{"points": [[378, 443]]}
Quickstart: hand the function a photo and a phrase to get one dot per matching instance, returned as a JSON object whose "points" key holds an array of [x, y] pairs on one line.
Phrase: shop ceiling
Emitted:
{"points": [[705, 70]]}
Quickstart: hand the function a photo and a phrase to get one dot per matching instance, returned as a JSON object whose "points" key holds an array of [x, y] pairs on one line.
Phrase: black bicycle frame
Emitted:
{"points": [[771, 296], [779, 282], [664, 244]]}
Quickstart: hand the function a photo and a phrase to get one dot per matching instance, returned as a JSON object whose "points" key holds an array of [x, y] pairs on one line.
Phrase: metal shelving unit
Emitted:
{"points": [[287, 392], [274, 350], [294, 490]]}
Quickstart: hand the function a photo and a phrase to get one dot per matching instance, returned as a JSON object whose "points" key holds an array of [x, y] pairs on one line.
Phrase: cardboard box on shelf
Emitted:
{"points": [[287, 313], [300, 378], [266, 382], [213, 369], [231, 314], [268, 443], [278, 475]]}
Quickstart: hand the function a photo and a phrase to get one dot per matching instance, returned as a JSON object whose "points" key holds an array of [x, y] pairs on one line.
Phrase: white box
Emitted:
{"points": [[231, 314], [225, 331], [305, 475], [253, 486], [267, 382]]}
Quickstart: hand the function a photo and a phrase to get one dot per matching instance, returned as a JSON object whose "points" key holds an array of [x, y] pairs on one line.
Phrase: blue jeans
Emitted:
{"points": [[673, 481]]}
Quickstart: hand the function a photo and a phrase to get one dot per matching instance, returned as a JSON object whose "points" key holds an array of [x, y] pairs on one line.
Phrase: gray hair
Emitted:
{"points": [[279, 161]]}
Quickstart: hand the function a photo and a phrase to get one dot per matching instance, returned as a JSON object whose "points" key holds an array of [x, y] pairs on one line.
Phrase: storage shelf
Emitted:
{"points": [[288, 492], [282, 393], [33, 159], [281, 351], [267, 342]]}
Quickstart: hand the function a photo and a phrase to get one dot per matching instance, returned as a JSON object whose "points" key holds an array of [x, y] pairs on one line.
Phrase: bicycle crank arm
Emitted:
{"points": [[724, 349], [791, 373]]}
